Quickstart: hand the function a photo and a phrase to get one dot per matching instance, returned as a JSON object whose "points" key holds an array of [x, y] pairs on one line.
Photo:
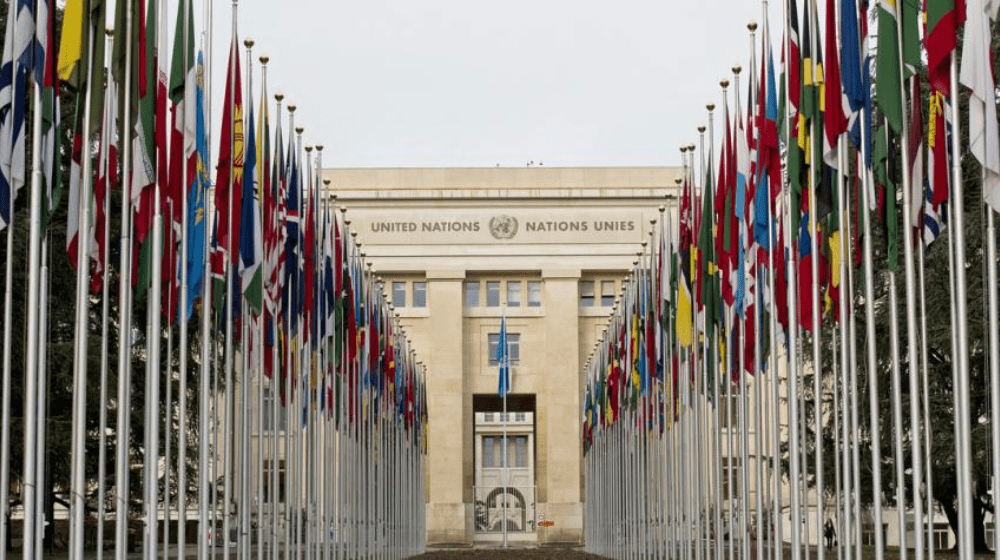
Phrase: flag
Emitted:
{"points": [[13, 104], [228, 174], [888, 87], [503, 359], [144, 156], [251, 239], [835, 104], [684, 322], [107, 176], [708, 281], [742, 180], [804, 258], [977, 76], [855, 64], [182, 147], [291, 302], [197, 191], [75, 177], [884, 180], [71, 43], [916, 153], [792, 58], [51, 117], [940, 39]]}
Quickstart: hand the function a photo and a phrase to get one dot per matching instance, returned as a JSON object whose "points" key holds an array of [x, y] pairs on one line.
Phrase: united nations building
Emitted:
{"points": [[546, 249]]}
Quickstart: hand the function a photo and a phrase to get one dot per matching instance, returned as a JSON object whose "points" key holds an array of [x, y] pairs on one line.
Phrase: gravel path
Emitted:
{"points": [[576, 553], [540, 553]]}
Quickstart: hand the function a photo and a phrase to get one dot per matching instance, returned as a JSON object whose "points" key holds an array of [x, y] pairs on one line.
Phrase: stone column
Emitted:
{"points": [[559, 409], [449, 517]]}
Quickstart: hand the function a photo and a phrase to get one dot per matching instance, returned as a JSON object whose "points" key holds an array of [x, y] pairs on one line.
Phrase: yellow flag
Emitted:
{"points": [[71, 44]]}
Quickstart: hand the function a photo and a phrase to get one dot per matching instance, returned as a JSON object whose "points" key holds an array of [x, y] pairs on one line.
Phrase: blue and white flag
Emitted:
{"points": [[503, 359], [18, 56]]}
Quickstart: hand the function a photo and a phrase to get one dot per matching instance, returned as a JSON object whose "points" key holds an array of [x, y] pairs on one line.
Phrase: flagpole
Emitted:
{"points": [[505, 380], [124, 321], [872, 370], [182, 310], [43, 404], [8, 330], [855, 528], [926, 408], [761, 488], [261, 498], [205, 525], [78, 451], [814, 294], [305, 361], [742, 318], [994, 344], [793, 389], [103, 420], [228, 255], [246, 358], [7, 342], [276, 356], [846, 295], [835, 349], [911, 312], [960, 366]]}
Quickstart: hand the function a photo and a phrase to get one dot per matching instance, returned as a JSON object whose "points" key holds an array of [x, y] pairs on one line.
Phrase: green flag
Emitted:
{"points": [[880, 155], [888, 87]]}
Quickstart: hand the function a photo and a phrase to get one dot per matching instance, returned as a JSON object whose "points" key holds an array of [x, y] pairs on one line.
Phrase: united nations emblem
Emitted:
{"points": [[503, 227]]}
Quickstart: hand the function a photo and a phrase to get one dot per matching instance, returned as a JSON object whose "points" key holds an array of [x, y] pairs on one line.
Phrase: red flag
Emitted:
{"points": [[941, 21], [229, 172], [834, 119]]}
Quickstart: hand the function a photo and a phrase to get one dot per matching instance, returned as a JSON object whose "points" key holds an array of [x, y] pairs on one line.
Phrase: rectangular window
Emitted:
{"points": [[489, 453], [493, 294], [275, 469], [517, 451], [586, 293], [520, 451], [608, 293], [420, 294], [513, 294], [268, 412], [472, 294], [534, 294], [399, 294], [513, 347]]}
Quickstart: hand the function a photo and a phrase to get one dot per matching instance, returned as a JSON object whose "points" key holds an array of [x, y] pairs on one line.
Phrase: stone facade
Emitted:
{"points": [[527, 236]]}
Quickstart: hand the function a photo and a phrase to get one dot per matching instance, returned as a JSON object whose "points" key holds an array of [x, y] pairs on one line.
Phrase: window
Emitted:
{"points": [[420, 294], [513, 294], [586, 293], [493, 451], [472, 294], [399, 294], [534, 294], [269, 424], [520, 451], [513, 347], [489, 451], [279, 477], [608, 293], [493, 294]]}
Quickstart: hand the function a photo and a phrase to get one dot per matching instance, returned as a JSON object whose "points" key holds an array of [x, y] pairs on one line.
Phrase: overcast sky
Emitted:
{"points": [[407, 83]]}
